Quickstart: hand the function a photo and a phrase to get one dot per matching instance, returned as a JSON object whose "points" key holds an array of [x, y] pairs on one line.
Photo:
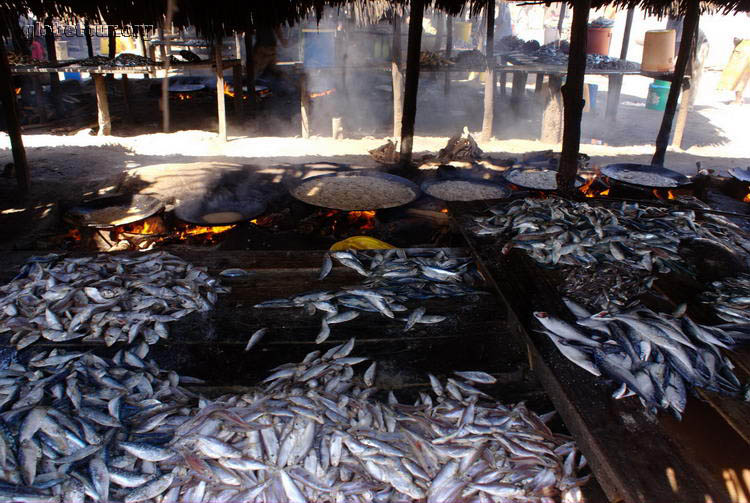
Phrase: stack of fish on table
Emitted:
{"points": [[657, 356], [107, 298], [610, 256], [392, 278], [556, 232], [77, 427]]}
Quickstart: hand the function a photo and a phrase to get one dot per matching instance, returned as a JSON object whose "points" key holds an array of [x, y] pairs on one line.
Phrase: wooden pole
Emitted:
{"points": [[102, 105], [412, 80], [397, 77], [54, 79], [304, 109], [87, 35], [126, 96], [626, 34], [489, 81], [8, 97], [687, 92], [237, 46], [250, 64], [220, 90], [237, 84], [688, 28], [572, 93], [552, 117], [561, 19], [448, 50]]}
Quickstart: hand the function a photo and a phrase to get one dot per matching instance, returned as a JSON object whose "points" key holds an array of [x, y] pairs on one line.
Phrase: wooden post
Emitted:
{"points": [[552, 117], [614, 88], [250, 64], [572, 93], [688, 92], [87, 34], [626, 34], [54, 79], [8, 97], [519, 89], [41, 108], [397, 77], [304, 101], [448, 50], [489, 81], [412, 80], [539, 83], [561, 19], [689, 27], [503, 83], [237, 46], [220, 89], [111, 47], [102, 105], [237, 84], [126, 96]]}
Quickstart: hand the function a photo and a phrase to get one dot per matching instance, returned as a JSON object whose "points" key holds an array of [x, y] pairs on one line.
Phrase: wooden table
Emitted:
{"points": [[636, 457], [98, 72], [210, 345]]}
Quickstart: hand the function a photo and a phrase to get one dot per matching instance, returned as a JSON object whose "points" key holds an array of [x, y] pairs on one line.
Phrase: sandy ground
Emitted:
{"points": [[67, 168]]}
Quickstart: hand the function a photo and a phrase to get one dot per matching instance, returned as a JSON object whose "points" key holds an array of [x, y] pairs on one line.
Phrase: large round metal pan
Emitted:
{"points": [[113, 211], [741, 174], [645, 175], [525, 178], [215, 212], [366, 184], [501, 191]]}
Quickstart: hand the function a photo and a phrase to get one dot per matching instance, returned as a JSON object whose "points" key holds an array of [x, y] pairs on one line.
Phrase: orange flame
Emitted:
{"points": [[604, 193], [444, 210], [586, 186], [208, 234], [746, 198], [228, 90], [18, 91], [183, 97], [74, 234], [150, 226], [660, 195], [366, 219], [322, 93]]}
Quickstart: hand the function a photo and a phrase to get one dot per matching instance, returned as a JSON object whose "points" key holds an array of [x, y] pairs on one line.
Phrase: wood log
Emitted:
{"points": [[448, 50], [572, 93], [503, 83], [222, 110], [552, 117], [411, 86], [626, 34], [126, 97], [102, 105], [8, 97], [690, 88], [614, 89], [111, 47], [561, 19], [397, 77], [489, 81], [689, 26], [539, 83]]}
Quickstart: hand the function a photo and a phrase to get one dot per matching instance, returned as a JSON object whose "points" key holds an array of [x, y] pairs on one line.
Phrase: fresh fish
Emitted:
{"points": [[234, 273], [255, 338], [325, 269]]}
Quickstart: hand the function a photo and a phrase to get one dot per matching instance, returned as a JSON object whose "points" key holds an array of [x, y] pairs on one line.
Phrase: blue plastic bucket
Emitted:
{"points": [[658, 91]]}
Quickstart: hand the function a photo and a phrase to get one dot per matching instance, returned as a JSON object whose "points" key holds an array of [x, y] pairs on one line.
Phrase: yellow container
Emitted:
{"points": [[462, 31], [658, 51]]}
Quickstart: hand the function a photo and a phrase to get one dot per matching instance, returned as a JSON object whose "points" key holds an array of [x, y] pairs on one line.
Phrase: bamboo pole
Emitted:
{"points": [[397, 77], [222, 110], [689, 27], [411, 86], [8, 97], [489, 81], [572, 93]]}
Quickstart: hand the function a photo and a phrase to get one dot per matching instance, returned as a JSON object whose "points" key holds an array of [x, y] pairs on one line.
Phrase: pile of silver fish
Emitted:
{"points": [[314, 432], [74, 425], [392, 278], [730, 298], [610, 286], [557, 232], [658, 357], [106, 298]]}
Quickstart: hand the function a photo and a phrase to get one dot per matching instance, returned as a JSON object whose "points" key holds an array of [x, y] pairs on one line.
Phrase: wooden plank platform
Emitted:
{"points": [[476, 335], [635, 456]]}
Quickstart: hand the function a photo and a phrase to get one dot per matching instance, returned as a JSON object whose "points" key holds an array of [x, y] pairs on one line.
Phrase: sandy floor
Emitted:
{"points": [[66, 168]]}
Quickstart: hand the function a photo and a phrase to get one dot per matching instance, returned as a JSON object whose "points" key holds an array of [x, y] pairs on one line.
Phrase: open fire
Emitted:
{"points": [[320, 94]]}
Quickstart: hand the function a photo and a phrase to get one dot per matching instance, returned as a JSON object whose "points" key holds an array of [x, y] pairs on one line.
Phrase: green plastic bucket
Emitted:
{"points": [[658, 91]]}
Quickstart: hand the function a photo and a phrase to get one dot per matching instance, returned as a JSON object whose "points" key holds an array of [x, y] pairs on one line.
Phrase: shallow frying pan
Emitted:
{"points": [[536, 178], [113, 211], [645, 175], [316, 191], [741, 174], [213, 212]]}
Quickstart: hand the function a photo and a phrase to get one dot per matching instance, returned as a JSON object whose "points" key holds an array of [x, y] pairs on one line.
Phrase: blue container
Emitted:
{"points": [[72, 75], [593, 89], [658, 92], [319, 48]]}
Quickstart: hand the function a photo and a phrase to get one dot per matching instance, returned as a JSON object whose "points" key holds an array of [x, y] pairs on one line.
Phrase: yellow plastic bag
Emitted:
{"points": [[361, 243]]}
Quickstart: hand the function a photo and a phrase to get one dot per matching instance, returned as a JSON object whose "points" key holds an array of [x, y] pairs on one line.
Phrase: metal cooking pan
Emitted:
{"points": [[210, 213], [741, 174], [505, 191], [113, 211], [625, 173], [295, 187], [516, 177]]}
